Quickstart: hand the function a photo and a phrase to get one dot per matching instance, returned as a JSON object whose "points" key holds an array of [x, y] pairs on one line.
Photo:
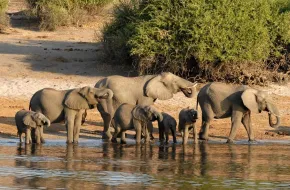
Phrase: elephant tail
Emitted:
{"points": [[30, 101]]}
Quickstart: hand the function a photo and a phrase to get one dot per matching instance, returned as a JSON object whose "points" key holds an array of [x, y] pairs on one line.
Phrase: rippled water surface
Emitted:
{"points": [[96, 165]]}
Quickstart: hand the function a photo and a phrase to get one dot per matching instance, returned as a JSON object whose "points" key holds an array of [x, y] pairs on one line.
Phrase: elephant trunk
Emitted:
{"points": [[36, 134], [159, 116], [185, 135], [275, 112], [47, 123], [190, 92], [277, 124]]}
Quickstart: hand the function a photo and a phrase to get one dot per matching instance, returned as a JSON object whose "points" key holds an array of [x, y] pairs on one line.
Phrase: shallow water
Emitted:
{"points": [[96, 165]]}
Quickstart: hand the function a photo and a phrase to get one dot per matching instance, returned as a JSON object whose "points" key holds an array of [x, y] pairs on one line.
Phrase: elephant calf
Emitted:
{"points": [[30, 123], [168, 123], [187, 119], [134, 117]]}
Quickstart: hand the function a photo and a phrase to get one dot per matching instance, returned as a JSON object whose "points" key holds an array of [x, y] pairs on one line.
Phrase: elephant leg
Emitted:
{"points": [[194, 131], [123, 138], [236, 121], [205, 127], [28, 136], [70, 122], [138, 133], [37, 134], [41, 135], [147, 136], [20, 137], [166, 135], [77, 126], [116, 133], [107, 118], [150, 129], [248, 126], [185, 135], [207, 117], [161, 132], [173, 132]]}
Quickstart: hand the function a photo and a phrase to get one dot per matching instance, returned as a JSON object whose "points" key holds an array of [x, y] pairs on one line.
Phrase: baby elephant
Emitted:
{"points": [[30, 122], [168, 123], [134, 117], [187, 119]]}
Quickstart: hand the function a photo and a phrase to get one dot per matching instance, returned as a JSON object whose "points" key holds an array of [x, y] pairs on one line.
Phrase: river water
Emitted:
{"points": [[96, 165]]}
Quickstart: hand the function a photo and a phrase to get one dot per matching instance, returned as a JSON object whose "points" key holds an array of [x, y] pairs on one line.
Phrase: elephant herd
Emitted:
{"points": [[125, 103]]}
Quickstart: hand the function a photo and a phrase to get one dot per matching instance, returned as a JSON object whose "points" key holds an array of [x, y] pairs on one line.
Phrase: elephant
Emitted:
{"points": [[168, 123], [141, 90], [30, 122], [219, 100], [68, 106], [187, 119], [136, 117]]}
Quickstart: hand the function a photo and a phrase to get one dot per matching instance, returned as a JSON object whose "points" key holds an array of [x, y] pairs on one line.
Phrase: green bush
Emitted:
{"points": [[183, 36], [3, 18], [55, 13]]}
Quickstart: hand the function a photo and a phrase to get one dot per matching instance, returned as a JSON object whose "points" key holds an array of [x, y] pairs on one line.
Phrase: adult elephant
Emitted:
{"points": [[142, 90], [68, 105], [219, 100]]}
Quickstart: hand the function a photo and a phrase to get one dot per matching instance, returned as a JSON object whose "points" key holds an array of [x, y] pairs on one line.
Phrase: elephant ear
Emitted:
{"points": [[75, 100], [29, 121], [250, 100], [139, 113], [156, 88]]}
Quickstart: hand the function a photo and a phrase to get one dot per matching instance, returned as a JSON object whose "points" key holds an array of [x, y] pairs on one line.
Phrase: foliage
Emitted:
{"points": [[54, 13], [3, 18], [117, 34], [197, 37]]}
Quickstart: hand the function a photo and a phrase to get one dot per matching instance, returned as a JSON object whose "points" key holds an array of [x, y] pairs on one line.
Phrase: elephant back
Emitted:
{"points": [[49, 102]]}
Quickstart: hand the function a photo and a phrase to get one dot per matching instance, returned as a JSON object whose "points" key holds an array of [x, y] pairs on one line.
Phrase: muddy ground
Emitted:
{"points": [[72, 57]]}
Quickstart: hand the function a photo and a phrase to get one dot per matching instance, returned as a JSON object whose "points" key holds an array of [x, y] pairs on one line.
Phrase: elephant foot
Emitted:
{"points": [[230, 141], [114, 140], [69, 142], [253, 141], [76, 142], [203, 137], [105, 137]]}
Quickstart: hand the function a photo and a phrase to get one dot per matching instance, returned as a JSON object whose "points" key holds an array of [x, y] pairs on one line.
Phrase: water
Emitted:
{"points": [[96, 165]]}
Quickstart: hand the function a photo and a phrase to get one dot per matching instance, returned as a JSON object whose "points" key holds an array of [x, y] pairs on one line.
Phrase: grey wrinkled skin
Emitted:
{"points": [[187, 120], [134, 117], [69, 106], [167, 124], [31, 124], [219, 100], [142, 90]]}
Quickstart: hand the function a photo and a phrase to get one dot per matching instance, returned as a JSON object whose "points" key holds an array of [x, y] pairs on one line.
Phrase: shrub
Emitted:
{"points": [[3, 18], [55, 13], [197, 37], [117, 34]]}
